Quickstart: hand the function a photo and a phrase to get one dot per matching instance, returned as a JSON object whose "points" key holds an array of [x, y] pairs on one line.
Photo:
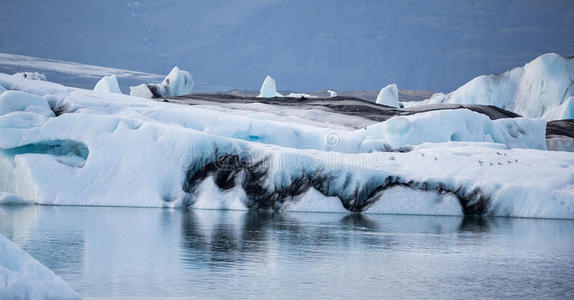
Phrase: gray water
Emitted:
{"points": [[105, 252]]}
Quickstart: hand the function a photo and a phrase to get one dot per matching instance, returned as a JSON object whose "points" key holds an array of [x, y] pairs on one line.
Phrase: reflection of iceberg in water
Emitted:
{"points": [[111, 251], [58, 252], [212, 237], [16, 221]]}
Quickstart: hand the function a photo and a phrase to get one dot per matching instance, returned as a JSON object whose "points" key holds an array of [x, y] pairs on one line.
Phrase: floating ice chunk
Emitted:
{"points": [[268, 88], [389, 96], [332, 93], [141, 90], [30, 75], [176, 83], [108, 84], [22, 277]]}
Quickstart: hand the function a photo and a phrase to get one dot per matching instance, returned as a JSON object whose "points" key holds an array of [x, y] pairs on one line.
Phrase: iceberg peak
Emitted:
{"points": [[541, 88], [176, 83], [268, 88], [389, 96], [108, 84]]}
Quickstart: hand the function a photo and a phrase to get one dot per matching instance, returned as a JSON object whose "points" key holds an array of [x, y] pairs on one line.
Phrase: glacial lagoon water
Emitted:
{"points": [[139, 252]]}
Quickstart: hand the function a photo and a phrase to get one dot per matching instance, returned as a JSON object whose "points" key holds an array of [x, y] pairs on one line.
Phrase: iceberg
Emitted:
{"points": [[108, 84], [92, 152], [176, 83], [141, 91], [22, 277], [389, 96], [332, 93], [30, 75], [543, 88], [268, 89]]}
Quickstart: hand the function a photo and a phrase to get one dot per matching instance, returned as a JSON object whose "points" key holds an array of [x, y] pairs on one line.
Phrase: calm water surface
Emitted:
{"points": [[105, 252]]}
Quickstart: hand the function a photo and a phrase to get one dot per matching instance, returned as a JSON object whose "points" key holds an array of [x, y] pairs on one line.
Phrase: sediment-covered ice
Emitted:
{"points": [[300, 95], [30, 75], [176, 83], [389, 96], [93, 149], [543, 88], [22, 277], [560, 143], [108, 84], [268, 88]]}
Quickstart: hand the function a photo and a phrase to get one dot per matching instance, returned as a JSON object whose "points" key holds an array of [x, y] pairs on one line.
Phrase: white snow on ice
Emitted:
{"points": [[456, 125]]}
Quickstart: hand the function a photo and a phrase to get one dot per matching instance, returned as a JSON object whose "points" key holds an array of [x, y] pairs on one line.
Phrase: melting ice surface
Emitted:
{"points": [[113, 251]]}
